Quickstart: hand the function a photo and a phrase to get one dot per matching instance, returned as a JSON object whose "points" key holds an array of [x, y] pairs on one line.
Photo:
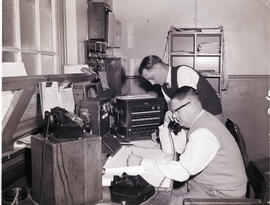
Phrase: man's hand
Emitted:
{"points": [[168, 117], [134, 160]]}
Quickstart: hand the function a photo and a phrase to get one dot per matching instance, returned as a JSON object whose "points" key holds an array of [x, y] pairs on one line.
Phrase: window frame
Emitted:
{"points": [[57, 30]]}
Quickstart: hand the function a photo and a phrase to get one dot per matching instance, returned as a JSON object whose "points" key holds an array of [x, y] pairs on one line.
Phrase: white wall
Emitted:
{"points": [[246, 26], [71, 32], [82, 28]]}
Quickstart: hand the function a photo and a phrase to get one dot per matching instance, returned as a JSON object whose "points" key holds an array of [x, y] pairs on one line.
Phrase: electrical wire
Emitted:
{"points": [[42, 159], [172, 146], [41, 170], [133, 145], [15, 200], [68, 184], [64, 169], [52, 139], [156, 193], [158, 188]]}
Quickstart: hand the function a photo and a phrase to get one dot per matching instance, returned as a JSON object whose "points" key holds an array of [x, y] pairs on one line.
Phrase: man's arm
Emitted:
{"points": [[199, 152]]}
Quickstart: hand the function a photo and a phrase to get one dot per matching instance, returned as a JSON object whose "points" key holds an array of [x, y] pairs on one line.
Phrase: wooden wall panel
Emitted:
{"points": [[245, 103]]}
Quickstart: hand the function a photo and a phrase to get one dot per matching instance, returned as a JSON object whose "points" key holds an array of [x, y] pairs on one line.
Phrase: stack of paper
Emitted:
{"points": [[208, 47], [117, 164]]}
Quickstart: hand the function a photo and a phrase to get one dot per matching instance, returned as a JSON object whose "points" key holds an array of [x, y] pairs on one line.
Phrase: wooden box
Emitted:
{"points": [[66, 172]]}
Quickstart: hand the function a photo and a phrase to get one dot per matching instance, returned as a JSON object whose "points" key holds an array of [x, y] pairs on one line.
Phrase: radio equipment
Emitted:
{"points": [[95, 112], [138, 115]]}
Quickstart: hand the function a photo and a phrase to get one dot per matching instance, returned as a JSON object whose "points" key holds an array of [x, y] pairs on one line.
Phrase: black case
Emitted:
{"points": [[132, 189]]}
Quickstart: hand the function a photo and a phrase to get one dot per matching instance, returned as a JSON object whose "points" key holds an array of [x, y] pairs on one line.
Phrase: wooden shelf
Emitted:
{"points": [[200, 48]]}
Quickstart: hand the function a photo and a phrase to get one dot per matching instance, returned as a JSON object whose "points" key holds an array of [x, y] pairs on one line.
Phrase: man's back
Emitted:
{"points": [[226, 172]]}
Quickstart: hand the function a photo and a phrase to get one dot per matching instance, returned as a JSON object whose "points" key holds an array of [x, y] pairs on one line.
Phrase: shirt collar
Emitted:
{"points": [[168, 80], [196, 118]]}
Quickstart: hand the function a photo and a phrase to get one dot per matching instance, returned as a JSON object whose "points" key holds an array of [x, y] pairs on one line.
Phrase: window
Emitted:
{"points": [[29, 34]]}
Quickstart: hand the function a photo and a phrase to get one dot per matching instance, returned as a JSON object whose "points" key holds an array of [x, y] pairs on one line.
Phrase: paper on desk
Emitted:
{"points": [[117, 164]]}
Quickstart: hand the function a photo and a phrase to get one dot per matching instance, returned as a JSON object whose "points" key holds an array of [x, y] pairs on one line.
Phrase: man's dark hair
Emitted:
{"points": [[148, 62], [183, 92]]}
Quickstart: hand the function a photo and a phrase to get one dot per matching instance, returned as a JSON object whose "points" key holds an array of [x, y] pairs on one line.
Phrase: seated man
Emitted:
{"points": [[211, 161]]}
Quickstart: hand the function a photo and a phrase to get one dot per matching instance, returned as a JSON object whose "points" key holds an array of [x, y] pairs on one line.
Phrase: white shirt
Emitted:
{"points": [[198, 152], [186, 76]]}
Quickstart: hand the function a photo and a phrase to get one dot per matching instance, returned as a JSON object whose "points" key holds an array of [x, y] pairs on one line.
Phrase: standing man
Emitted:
{"points": [[154, 70]]}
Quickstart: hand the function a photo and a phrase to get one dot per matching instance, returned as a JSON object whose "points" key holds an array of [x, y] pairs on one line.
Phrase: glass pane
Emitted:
{"points": [[47, 64], [30, 63], [8, 23], [46, 24], [27, 20], [8, 56]]}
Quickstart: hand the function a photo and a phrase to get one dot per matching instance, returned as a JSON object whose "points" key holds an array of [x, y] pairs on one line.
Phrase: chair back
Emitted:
{"points": [[235, 131], [258, 176]]}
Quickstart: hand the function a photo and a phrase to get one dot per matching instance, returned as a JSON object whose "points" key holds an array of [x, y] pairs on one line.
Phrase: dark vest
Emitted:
{"points": [[207, 94]]}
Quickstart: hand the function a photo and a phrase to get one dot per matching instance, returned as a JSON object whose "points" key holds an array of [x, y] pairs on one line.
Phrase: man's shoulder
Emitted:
{"points": [[185, 69], [209, 120]]}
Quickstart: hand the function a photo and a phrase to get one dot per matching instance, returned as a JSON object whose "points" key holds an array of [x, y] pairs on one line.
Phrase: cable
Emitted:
{"points": [[155, 195], [64, 170], [172, 145], [41, 170], [46, 136], [52, 139], [174, 156], [133, 145], [42, 158], [15, 201], [66, 175]]}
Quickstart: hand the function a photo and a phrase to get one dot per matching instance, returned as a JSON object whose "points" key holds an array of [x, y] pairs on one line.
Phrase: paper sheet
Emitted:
{"points": [[54, 95], [117, 164]]}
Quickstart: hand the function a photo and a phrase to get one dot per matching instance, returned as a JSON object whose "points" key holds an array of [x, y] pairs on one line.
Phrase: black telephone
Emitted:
{"points": [[175, 127], [132, 189], [63, 124]]}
